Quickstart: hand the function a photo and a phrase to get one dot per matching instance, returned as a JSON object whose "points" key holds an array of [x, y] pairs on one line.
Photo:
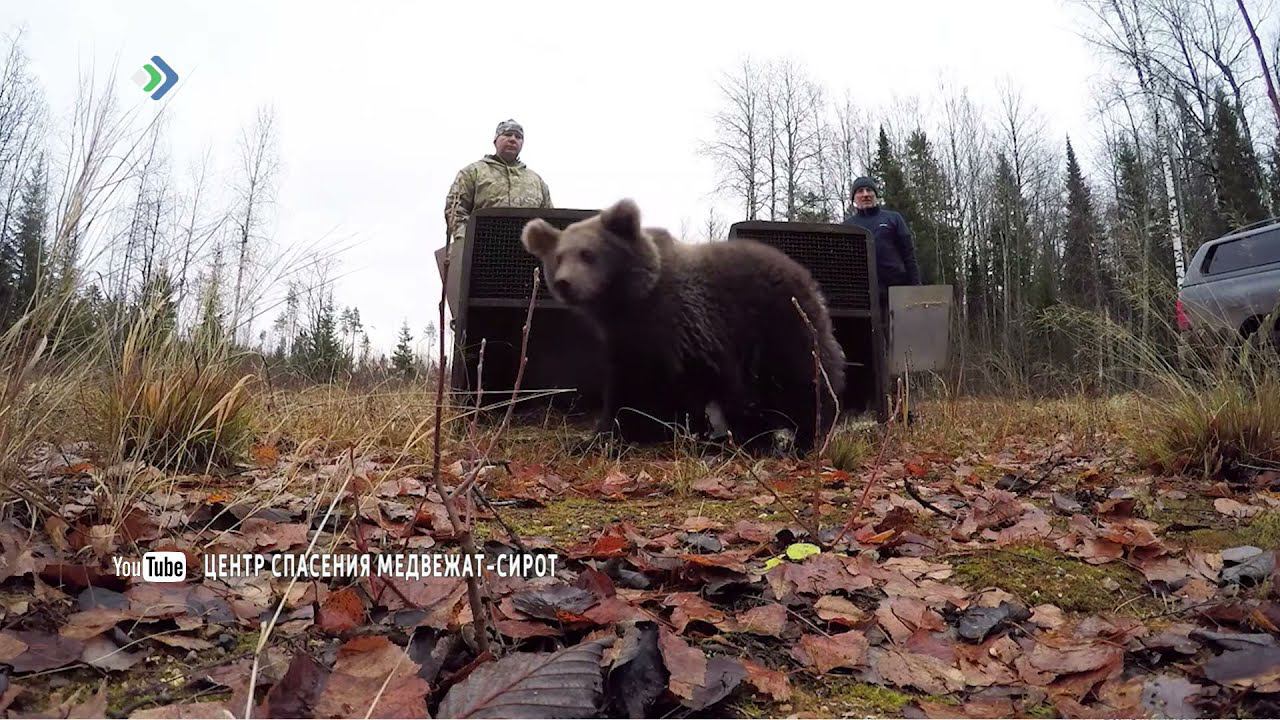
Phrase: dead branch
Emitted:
{"points": [[915, 495], [875, 471], [811, 529], [1057, 463], [820, 378], [515, 391], [475, 417], [461, 530]]}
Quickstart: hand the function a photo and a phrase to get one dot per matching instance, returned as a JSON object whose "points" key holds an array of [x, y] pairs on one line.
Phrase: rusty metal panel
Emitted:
{"points": [[919, 327]]}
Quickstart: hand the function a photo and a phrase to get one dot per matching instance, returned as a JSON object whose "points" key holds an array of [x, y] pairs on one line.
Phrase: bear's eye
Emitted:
{"points": [[587, 256]]}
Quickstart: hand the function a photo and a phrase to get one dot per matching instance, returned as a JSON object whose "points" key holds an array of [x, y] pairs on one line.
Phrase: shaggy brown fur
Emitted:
{"points": [[688, 325]]}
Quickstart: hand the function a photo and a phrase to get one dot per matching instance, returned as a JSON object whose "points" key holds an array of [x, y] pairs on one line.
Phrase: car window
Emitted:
{"points": [[1248, 252]]}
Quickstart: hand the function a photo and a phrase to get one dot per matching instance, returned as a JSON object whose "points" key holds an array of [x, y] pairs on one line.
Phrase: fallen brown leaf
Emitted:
{"points": [[341, 612], [687, 665], [1073, 657], [1235, 509], [10, 647], [690, 607], [899, 617], [44, 652], [297, 693], [563, 684], [89, 623], [767, 620], [824, 654], [373, 667], [773, 683], [106, 655], [1170, 696], [923, 672], [713, 486], [1255, 669], [185, 642], [837, 609]]}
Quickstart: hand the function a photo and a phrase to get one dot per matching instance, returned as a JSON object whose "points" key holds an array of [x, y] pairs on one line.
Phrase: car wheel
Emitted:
{"points": [[1264, 343]]}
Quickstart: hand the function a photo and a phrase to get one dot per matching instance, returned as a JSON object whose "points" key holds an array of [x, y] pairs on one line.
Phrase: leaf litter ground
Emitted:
{"points": [[1030, 568]]}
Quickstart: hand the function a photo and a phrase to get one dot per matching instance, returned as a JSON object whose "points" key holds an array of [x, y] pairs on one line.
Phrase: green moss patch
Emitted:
{"points": [[1038, 575]]}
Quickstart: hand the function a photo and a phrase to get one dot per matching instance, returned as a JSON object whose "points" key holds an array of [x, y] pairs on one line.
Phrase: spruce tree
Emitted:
{"points": [[210, 329], [975, 289], [1237, 172], [159, 300], [1043, 291], [366, 351], [1196, 189], [1080, 286], [1273, 177], [937, 241], [321, 353], [894, 188], [9, 276], [23, 255], [402, 360], [353, 327], [1142, 226]]}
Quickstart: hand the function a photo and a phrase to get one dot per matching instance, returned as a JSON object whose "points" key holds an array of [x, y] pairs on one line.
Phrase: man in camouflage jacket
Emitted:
{"points": [[497, 180]]}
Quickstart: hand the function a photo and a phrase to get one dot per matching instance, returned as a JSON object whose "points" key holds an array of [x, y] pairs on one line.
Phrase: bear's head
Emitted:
{"points": [[607, 259]]}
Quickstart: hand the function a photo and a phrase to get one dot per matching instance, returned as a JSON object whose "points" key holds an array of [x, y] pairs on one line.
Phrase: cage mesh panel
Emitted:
{"points": [[837, 262], [500, 266], [502, 269]]}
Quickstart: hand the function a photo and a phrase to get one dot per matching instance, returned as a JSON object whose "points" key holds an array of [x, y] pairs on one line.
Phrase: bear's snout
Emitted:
{"points": [[564, 289]]}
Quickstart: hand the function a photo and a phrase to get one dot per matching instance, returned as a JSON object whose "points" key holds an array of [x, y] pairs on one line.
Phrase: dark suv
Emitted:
{"points": [[1233, 284]]}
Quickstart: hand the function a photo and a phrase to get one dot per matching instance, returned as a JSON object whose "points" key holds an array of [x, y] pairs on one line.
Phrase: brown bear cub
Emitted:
{"points": [[686, 327]]}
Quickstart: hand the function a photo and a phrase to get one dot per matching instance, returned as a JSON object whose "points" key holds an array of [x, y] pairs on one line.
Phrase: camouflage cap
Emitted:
{"points": [[508, 126]]}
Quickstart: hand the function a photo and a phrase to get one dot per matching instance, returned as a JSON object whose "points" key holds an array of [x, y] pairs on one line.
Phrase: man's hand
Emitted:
{"points": [[458, 204]]}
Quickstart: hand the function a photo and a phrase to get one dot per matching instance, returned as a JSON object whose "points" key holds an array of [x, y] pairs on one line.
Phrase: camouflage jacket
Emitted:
{"points": [[488, 183]]}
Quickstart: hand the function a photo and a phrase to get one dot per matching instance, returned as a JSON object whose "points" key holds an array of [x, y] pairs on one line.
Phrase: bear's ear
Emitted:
{"points": [[539, 237], [623, 219]]}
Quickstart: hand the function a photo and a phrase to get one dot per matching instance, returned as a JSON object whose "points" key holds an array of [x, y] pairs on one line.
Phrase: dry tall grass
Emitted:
{"points": [[177, 403], [1211, 409], [391, 415]]}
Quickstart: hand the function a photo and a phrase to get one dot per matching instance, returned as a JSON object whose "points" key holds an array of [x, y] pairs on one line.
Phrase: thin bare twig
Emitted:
{"points": [[461, 530], [820, 378], [811, 529], [268, 627], [515, 391], [875, 471], [1057, 463], [475, 417], [911, 490], [511, 533]]}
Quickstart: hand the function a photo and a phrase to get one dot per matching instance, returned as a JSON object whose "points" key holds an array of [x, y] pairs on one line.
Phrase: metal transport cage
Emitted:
{"points": [[842, 260], [491, 276]]}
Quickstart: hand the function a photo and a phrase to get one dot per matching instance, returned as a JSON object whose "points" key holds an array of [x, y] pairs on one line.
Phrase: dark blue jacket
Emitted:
{"points": [[895, 247]]}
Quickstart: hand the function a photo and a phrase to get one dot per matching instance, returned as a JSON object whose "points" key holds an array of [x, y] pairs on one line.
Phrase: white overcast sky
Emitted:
{"points": [[380, 103]]}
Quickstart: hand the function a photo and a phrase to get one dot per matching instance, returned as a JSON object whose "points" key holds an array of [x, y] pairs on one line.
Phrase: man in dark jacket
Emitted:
{"points": [[895, 247]]}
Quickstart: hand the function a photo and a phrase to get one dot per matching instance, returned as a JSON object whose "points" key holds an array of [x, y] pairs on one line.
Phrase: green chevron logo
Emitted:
{"points": [[156, 75]]}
